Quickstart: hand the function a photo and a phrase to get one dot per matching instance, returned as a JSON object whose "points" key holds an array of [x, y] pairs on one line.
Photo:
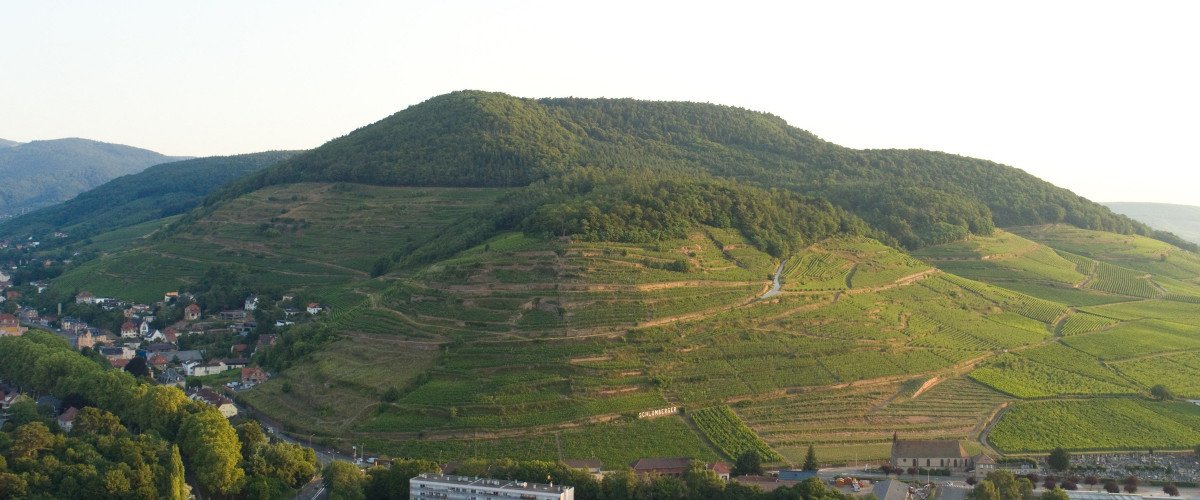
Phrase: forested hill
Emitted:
{"points": [[159, 191], [5, 143], [42, 173], [473, 138]]}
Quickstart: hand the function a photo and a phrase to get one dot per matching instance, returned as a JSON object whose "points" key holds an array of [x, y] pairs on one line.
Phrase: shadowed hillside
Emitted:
{"points": [[157, 192], [42, 173]]}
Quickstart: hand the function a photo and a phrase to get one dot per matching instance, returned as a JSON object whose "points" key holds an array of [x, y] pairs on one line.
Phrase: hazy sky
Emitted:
{"points": [[1101, 98]]}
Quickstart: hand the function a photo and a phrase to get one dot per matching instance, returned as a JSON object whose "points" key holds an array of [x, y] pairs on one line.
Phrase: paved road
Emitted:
{"points": [[325, 456], [776, 285], [952, 492]]}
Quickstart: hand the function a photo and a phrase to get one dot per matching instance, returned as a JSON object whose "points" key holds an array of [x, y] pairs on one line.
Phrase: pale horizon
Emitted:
{"points": [[1096, 98]]}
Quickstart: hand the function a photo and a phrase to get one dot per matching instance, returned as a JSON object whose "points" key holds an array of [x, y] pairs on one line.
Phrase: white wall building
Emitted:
{"points": [[474, 488]]}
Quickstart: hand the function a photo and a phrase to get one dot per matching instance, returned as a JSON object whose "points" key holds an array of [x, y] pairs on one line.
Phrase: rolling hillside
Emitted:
{"points": [[42, 173], [156, 192], [5, 143], [482, 139], [516, 278], [1183, 220]]}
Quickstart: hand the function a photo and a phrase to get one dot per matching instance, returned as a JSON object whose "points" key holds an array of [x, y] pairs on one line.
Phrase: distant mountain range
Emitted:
{"points": [[159, 191], [1183, 220], [41, 173], [5, 143]]}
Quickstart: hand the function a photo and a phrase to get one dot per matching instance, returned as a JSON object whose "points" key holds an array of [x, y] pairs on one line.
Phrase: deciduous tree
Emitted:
{"points": [[1059, 459], [1055, 494], [343, 481]]}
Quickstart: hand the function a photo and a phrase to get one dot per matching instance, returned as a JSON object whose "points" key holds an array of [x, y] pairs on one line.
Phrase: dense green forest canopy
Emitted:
{"points": [[473, 138], [172, 431], [641, 206], [159, 191]]}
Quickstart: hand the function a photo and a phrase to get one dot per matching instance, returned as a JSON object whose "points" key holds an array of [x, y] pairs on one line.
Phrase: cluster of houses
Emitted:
{"points": [[159, 348], [10, 325], [65, 418], [6, 291]]}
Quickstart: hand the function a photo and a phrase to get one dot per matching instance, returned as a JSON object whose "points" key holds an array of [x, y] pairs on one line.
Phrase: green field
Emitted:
{"points": [[1097, 424], [729, 434], [1003, 258], [1139, 338], [1178, 372], [1022, 377]]}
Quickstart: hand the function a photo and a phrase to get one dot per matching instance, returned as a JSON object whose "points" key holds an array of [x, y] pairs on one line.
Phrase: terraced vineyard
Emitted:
{"points": [[1085, 323], [859, 422], [876, 264], [527, 347], [625, 268], [1003, 258], [1178, 372], [816, 271], [1022, 377], [1137, 339], [1113, 279], [726, 430], [1097, 424]]}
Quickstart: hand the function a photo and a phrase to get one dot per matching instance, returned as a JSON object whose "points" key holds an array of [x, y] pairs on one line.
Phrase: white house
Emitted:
{"points": [[223, 404], [157, 336], [67, 420], [200, 369], [314, 308]]}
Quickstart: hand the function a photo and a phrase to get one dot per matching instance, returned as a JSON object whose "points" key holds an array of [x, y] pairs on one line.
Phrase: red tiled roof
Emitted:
{"points": [[69, 415], [212, 398]]}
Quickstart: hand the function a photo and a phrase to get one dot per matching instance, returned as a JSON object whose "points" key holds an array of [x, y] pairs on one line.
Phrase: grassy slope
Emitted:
{"points": [[1131, 327], [524, 347]]}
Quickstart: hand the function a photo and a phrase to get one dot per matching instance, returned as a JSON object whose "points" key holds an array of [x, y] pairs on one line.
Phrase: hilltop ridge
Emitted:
{"points": [[486, 139]]}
